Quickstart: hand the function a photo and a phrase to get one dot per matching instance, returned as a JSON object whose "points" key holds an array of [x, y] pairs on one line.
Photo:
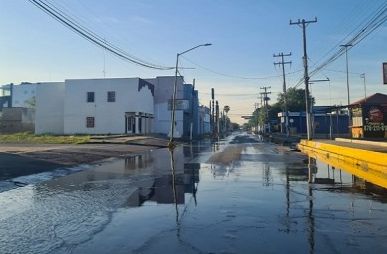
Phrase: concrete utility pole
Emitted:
{"points": [[285, 108], [303, 23], [265, 102], [213, 111], [217, 119], [192, 110], [256, 105], [171, 144], [363, 76], [346, 46]]}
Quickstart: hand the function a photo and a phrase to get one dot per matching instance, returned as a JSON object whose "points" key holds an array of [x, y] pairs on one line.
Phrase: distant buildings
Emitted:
{"points": [[112, 106], [326, 120]]}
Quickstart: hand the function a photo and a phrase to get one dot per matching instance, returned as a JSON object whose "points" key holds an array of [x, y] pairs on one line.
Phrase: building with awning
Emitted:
{"points": [[369, 117]]}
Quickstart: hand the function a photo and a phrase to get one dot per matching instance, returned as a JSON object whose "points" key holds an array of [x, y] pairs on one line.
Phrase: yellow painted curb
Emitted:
{"points": [[369, 165], [358, 156]]}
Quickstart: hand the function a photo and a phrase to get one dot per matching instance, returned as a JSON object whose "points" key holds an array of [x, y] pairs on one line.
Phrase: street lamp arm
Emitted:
{"points": [[201, 45], [171, 145]]}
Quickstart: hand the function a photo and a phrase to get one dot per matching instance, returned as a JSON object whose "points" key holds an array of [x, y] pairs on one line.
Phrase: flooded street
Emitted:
{"points": [[239, 195]]}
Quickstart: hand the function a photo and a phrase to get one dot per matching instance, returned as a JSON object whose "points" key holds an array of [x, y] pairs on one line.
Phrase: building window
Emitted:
{"points": [[111, 96], [90, 96], [90, 122]]}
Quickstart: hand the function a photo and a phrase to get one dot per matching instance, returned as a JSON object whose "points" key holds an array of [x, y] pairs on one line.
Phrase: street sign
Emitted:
{"points": [[385, 73]]}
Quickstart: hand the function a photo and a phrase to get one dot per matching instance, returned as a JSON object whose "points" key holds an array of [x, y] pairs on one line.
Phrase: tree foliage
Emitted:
{"points": [[295, 103], [295, 99]]}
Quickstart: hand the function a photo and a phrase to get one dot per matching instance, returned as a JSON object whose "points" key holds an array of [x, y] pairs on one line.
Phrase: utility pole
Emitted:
{"points": [[217, 118], [285, 108], [303, 23], [192, 110], [213, 111], [363, 76], [256, 106], [265, 102], [346, 46]]}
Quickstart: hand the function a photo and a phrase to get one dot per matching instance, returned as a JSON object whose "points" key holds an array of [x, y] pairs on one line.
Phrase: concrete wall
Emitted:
{"points": [[17, 120], [24, 94], [109, 116], [49, 108], [163, 93]]}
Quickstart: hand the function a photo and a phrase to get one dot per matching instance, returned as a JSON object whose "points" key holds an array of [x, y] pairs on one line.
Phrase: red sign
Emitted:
{"points": [[385, 73]]}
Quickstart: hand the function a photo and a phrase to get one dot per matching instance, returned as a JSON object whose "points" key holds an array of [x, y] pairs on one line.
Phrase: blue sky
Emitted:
{"points": [[245, 34]]}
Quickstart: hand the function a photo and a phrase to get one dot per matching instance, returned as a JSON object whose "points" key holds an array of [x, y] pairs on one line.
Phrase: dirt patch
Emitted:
{"points": [[18, 160]]}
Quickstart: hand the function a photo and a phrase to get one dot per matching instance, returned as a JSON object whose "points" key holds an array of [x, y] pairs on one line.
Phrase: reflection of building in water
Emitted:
{"points": [[162, 190], [139, 161], [139, 178]]}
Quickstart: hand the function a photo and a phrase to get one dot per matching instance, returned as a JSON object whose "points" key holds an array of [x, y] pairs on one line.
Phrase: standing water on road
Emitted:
{"points": [[238, 195]]}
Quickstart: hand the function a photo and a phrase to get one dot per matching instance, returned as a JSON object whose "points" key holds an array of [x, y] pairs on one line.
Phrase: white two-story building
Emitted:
{"points": [[95, 106]]}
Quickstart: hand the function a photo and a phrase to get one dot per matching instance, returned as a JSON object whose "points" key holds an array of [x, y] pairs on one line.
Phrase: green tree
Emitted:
{"points": [[295, 99]]}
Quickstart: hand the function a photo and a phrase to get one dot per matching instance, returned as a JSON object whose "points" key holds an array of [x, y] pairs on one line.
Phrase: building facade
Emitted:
{"points": [[204, 125], [24, 95], [163, 103], [108, 106], [369, 117], [95, 106]]}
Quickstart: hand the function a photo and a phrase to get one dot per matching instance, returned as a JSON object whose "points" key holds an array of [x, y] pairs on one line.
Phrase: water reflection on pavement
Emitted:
{"points": [[238, 195]]}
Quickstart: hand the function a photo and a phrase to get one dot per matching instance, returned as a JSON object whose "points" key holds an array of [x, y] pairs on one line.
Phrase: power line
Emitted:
{"points": [[237, 76], [89, 35], [371, 25]]}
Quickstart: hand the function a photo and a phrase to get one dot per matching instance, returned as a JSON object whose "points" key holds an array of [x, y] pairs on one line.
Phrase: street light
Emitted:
{"points": [[346, 63], [171, 145]]}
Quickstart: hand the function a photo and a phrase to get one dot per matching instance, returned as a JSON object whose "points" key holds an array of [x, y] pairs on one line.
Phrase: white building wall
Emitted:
{"points": [[109, 116], [24, 94], [163, 93], [49, 108]]}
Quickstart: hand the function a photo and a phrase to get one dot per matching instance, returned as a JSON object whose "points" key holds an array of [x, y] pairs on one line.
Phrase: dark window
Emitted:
{"points": [[90, 122], [111, 96], [90, 96]]}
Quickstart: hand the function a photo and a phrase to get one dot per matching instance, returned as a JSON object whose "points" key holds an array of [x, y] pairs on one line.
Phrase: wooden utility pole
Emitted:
{"points": [[285, 107], [265, 102], [303, 23]]}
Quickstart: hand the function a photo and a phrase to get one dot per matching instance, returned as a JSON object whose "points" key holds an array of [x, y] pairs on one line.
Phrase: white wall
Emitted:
{"points": [[49, 108], [109, 116], [23, 93], [163, 92]]}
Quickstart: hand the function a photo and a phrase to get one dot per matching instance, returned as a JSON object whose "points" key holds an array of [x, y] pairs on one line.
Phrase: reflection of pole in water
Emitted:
{"points": [[287, 200], [310, 173], [174, 185], [311, 221], [267, 178], [311, 163], [194, 188]]}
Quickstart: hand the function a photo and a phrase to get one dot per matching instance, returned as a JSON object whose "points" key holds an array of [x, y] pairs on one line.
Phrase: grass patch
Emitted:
{"points": [[29, 138]]}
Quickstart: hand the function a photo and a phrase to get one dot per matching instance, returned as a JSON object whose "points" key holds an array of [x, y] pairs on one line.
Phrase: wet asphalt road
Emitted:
{"points": [[238, 195]]}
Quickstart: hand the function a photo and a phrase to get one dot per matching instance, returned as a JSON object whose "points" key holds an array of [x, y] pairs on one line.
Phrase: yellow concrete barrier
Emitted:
{"points": [[369, 165]]}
